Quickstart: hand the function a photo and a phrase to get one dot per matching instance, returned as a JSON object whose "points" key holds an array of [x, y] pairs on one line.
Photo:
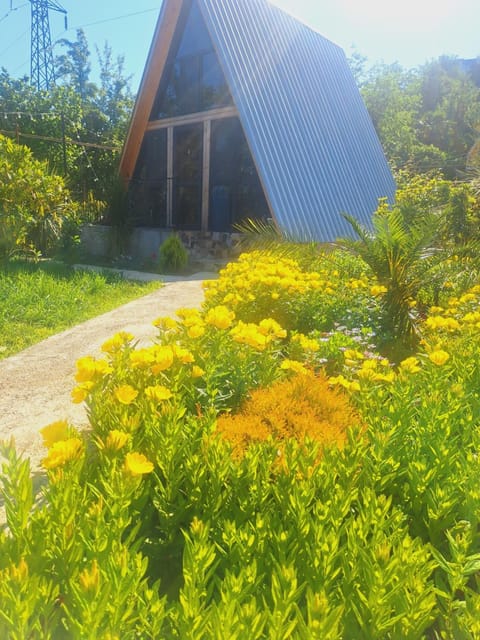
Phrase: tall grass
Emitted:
{"points": [[38, 300]]}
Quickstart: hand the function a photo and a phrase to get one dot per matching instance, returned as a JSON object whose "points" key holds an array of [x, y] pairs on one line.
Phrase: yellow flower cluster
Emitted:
{"points": [[220, 317], [306, 343], [62, 442], [460, 314], [59, 430], [378, 290], [357, 283], [158, 393], [90, 369], [368, 370], [62, 452], [293, 365], [116, 440], [157, 358], [257, 336], [165, 324], [260, 273], [117, 342], [439, 322], [409, 365], [341, 381], [439, 357], [89, 579]]}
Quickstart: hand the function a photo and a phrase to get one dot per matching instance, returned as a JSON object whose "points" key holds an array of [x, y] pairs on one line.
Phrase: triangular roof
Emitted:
{"points": [[311, 138]]}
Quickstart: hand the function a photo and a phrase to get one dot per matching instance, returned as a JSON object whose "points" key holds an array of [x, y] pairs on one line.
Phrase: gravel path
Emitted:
{"points": [[35, 384]]}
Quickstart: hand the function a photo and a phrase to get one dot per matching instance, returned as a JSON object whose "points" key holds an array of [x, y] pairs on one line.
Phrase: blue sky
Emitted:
{"points": [[408, 31]]}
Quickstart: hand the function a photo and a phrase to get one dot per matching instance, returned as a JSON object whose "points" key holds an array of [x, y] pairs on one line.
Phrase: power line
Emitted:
{"points": [[12, 10], [126, 15], [14, 42]]}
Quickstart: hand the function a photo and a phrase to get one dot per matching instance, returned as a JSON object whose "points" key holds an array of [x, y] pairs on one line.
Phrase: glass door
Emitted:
{"points": [[187, 176]]}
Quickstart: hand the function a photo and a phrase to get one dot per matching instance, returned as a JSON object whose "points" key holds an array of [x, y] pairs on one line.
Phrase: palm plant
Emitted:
{"points": [[265, 235], [395, 252]]}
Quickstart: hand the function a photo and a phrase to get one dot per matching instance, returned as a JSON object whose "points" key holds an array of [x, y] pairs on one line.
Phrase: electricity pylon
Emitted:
{"points": [[42, 69]]}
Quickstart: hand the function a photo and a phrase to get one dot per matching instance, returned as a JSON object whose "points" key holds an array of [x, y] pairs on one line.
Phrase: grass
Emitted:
{"points": [[39, 300]]}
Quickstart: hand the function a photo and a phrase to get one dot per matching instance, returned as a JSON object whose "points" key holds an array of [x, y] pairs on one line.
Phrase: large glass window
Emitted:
{"points": [[193, 80], [148, 188], [187, 177], [235, 189]]}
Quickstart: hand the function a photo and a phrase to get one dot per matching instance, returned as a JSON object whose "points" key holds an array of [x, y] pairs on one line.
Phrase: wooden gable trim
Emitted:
{"points": [[157, 58], [193, 118]]}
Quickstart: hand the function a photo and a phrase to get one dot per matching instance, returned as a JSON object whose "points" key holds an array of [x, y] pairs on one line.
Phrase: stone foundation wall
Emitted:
{"points": [[144, 242]]}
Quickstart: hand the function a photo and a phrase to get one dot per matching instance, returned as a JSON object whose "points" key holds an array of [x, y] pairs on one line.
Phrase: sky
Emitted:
{"points": [[409, 32]]}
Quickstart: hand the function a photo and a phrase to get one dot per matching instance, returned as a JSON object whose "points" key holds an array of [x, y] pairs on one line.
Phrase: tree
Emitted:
{"points": [[73, 67], [54, 123], [426, 118], [33, 201]]}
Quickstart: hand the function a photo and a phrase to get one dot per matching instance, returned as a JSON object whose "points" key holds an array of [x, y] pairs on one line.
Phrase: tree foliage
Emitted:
{"points": [[427, 118], [33, 201], [76, 111]]}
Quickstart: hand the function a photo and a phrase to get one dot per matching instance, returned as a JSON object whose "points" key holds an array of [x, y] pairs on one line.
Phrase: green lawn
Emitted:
{"points": [[39, 300]]}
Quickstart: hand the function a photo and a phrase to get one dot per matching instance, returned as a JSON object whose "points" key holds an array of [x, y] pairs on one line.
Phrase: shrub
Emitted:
{"points": [[173, 256], [301, 407], [33, 201]]}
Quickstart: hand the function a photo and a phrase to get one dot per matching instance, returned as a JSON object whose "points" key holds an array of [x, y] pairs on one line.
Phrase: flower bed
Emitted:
{"points": [[204, 504]]}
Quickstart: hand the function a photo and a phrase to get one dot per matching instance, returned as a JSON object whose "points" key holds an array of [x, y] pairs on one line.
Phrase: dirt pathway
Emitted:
{"points": [[35, 384]]}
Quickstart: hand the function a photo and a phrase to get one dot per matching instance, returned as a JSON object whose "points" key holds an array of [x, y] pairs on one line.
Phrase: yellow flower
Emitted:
{"points": [[62, 452], [293, 365], [196, 331], [54, 432], [378, 290], [275, 295], [220, 317], [90, 578], [439, 322], [189, 317], [367, 373], [410, 365], [89, 369], [162, 358], [439, 357], [167, 324], [137, 464], [141, 358], [248, 333], [116, 342], [182, 354], [269, 327], [19, 573], [197, 372], [116, 440], [80, 392], [158, 393], [341, 381], [353, 354], [125, 394]]}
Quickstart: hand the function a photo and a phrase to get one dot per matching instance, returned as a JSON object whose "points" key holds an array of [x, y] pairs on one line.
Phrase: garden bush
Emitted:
{"points": [[173, 256], [33, 202], [151, 525]]}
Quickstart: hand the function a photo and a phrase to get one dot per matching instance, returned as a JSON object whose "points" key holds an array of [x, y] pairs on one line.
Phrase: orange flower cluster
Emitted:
{"points": [[301, 407]]}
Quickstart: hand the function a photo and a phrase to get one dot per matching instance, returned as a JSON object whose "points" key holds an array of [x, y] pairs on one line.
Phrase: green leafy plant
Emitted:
{"points": [[394, 253], [33, 202], [173, 256]]}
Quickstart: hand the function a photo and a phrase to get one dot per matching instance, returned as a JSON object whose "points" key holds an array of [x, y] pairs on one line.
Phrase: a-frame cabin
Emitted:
{"points": [[243, 111]]}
